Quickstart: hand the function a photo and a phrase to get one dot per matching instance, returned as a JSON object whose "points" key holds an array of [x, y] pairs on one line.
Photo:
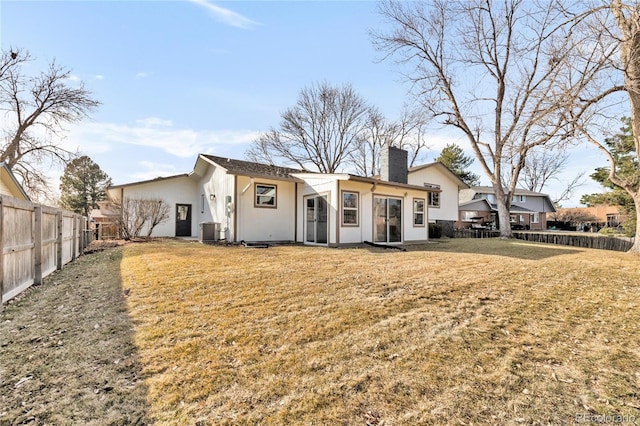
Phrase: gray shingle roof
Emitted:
{"points": [[514, 209], [248, 168], [518, 191]]}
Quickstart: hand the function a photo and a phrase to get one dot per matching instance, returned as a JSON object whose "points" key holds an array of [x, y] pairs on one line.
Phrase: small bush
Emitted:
{"points": [[609, 231], [435, 230]]}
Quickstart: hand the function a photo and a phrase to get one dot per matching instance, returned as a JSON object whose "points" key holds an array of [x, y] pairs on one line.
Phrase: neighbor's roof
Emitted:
{"points": [[248, 168], [476, 205], [514, 209], [518, 191], [12, 184], [441, 166], [141, 182]]}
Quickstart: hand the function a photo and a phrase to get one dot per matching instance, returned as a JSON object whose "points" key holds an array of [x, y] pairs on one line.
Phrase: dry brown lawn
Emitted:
{"points": [[455, 332]]}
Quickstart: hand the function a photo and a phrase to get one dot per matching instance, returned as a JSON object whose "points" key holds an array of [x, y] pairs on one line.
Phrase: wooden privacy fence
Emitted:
{"points": [[36, 240], [475, 233], [586, 240]]}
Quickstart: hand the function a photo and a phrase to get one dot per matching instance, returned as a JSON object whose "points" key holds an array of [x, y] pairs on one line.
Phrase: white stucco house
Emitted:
{"points": [[264, 203], [443, 205]]}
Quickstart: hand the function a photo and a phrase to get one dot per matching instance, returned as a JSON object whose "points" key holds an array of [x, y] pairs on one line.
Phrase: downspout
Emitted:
{"points": [[235, 208], [248, 185], [295, 213], [121, 210], [338, 220], [426, 213], [543, 219], [373, 218], [237, 201]]}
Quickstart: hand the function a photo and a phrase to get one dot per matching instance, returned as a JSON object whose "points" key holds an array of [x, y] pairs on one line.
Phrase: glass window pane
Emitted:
{"points": [[350, 208], [350, 200], [350, 217], [266, 195]]}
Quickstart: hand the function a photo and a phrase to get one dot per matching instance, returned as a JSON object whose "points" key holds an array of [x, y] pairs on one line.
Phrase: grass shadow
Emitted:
{"points": [[513, 248], [68, 352]]}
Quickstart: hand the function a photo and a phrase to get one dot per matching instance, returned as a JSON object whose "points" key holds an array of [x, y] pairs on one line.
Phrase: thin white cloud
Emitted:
{"points": [[150, 170], [226, 16], [154, 133], [154, 121], [142, 74], [99, 77]]}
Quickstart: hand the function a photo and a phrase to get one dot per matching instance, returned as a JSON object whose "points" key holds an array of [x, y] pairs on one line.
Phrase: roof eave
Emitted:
{"points": [[142, 182], [389, 183]]}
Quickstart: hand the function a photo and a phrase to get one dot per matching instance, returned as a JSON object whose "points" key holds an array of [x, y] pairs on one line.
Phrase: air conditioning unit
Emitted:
{"points": [[209, 232]]}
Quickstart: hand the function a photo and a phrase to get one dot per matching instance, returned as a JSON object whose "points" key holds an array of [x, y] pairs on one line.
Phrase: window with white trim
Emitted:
{"points": [[535, 218], [349, 208], [418, 212], [266, 195]]}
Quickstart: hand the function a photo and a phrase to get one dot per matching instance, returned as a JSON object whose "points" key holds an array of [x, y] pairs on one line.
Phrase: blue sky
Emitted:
{"points": [[178, 78]]}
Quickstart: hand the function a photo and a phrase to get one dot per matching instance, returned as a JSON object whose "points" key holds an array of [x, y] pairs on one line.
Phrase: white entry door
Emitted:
{"points": [[316, 220]]}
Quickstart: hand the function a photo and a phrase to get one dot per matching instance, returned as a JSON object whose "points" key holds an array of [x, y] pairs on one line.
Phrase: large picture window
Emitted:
{"points": [[266, 195], [418, 212], [350, 209]]}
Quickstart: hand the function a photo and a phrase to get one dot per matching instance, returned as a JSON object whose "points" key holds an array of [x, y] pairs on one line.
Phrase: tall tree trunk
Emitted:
{"points": [[629, 51], [503, 212]]}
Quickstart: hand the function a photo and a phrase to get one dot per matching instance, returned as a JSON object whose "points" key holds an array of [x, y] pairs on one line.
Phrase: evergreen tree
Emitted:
{"points": [[623, 151], [82, 185], [453, 157]]}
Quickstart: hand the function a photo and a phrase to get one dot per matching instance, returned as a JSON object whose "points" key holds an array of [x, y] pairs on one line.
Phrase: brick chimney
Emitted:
{"points": [[393, 165]]}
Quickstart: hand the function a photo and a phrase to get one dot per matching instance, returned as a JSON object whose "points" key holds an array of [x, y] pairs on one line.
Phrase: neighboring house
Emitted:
{"points": [[9, 185], [443, 206], [102, 221], [529, 210], [265, 203], [593, 218]]}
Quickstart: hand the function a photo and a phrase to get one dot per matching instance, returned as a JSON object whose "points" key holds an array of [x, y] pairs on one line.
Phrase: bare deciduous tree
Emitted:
{"points": [[35, 111], [543, 165], [157, 212], [133, 215], [379, 132], [573, 216], [320, 131], [626, 17], [494, 70], [569, 189]]}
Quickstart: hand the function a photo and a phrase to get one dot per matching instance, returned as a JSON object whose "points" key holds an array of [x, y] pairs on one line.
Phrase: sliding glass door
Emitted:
{"points": [[387, 213], [316, 220]]}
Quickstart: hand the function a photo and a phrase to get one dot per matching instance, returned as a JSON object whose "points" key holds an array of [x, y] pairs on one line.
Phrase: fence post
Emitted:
{"points": [[84, 233], [37, 253], [74, 242], [59, 247]]}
